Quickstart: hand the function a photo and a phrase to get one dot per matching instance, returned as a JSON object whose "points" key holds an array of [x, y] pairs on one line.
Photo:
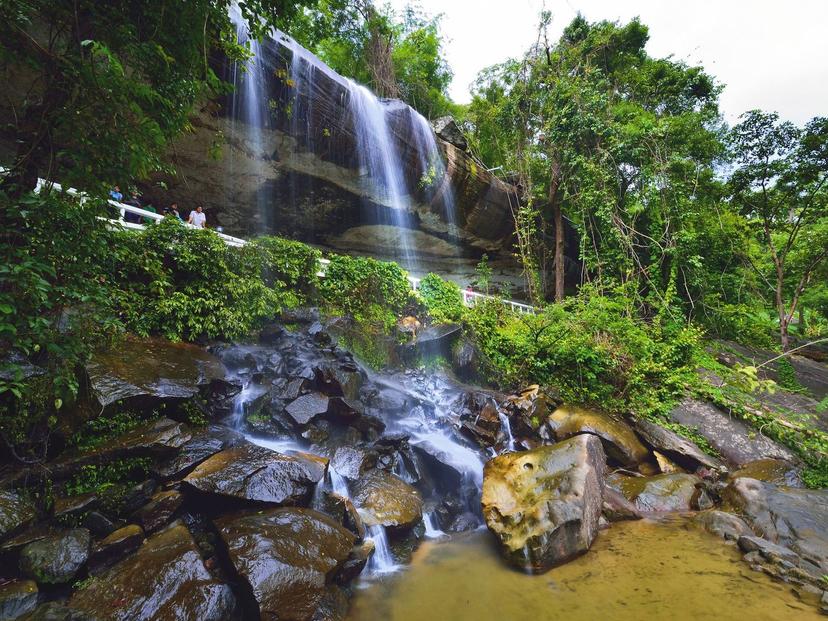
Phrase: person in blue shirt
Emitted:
{"points": [[115, 194]]}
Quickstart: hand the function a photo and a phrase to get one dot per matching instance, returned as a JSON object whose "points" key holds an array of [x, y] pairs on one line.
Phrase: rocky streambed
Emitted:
{"points": [[273, 479]]}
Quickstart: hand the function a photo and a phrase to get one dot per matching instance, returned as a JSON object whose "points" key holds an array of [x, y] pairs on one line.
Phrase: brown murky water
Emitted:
{"points": [[634, 571]]}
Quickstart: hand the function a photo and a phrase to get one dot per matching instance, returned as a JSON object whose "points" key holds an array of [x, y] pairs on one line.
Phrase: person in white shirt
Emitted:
{"points": [[198, 218]]}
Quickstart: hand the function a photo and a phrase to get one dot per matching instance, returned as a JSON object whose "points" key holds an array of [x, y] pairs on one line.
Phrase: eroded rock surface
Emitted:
{"points": [[679, 449], [165, 580], [254, 473], [57, 558], [543, 505], [620, 443], [737, 443], [384, 499], [146, 371], [289, 557], [660, 493], [794, 518]]}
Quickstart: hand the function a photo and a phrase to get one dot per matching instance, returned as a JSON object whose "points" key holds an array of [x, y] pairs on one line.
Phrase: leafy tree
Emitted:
{"points": [[102, 87], [620, 143], [780, 185]]}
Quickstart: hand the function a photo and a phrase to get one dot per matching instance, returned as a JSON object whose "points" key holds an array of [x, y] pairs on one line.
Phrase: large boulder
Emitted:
{"points": [[17, 598], [681, 450], [165, 580], [662, 492], [620, 443], [386, 500], [447, 129], [147, 371], [15, 512], [253, 473], [794, 518], [57, 558], [201, 445], [737, 443], [288, 556], [544, 505], [776, 471]]}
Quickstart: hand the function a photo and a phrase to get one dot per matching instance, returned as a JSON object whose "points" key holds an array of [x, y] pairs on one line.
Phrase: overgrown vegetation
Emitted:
{"points": [[442, 299]]}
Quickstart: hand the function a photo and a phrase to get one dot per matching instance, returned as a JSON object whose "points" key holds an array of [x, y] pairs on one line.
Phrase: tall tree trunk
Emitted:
{"points": [[557, 218]]}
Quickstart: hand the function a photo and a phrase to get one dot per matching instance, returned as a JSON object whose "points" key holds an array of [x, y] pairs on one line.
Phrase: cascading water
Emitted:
{"points": [[248, 106], [381, 561], [506, 428], [434, 175], [432, 531], [380, 160]]}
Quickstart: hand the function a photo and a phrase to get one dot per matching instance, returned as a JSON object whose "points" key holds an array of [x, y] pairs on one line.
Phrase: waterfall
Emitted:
{"points": [[506, 428], [249, 107], [380, 161], [339, 484], [381, 561], [432, 531], [434, 175]]}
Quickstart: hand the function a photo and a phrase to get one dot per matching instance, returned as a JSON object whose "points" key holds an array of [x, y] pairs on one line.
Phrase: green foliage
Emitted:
{"points": [[442, 299], [484, 274], [591, 349], [95, 432], [188, 284], [816, 478], [365, 288], [52, 291], [119, 83], [99, 478], [787, 376]]}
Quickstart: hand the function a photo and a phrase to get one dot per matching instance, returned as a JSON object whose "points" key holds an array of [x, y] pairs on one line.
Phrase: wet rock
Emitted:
{"points": [[134, 498], [164, 580], [793, 518], [342, 510], [17, 598], [303, 315], [52, 611], [776, 471], [620, 443], [15, 512], [437, 340], [57, 558], [617, 508], [144, 372], [98, 524], [680, 450], [307, 407], [114, 547], [723, 524], [253, 473], [660, 493], [480, 419], [466, 360], [464, 522], [737, 443], [447, 129], [384, 499], [769, 551], [351, 461], [74, 505], [200, 446], [21, 540], [288, 557], [356, 562], [543, 505], [527, 410], [159, 510], [342, 379]]}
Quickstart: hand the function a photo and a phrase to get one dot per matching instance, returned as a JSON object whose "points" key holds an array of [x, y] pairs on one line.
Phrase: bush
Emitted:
{"points": [[188, 284], [52, 296], [367, 289], [591, 349], [442, 299]]}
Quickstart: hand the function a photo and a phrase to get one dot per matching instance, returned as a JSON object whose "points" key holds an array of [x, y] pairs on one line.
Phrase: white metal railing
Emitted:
{"points": [[470, 298]]}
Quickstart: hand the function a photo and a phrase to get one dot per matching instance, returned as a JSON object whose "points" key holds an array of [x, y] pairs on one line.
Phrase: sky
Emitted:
{"points": [[769, 54]]}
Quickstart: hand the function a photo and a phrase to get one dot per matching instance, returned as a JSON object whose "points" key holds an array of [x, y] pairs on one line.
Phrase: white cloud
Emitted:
{"points": [[769, 54]]}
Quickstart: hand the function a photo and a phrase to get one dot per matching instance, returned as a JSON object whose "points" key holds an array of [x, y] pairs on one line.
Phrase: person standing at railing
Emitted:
{"points": [[133, 201], [115, 194], [172, 210], [198, 218]]}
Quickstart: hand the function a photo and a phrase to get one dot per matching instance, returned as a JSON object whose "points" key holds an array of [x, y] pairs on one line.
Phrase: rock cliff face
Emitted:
{"points": [[297, 168]]}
